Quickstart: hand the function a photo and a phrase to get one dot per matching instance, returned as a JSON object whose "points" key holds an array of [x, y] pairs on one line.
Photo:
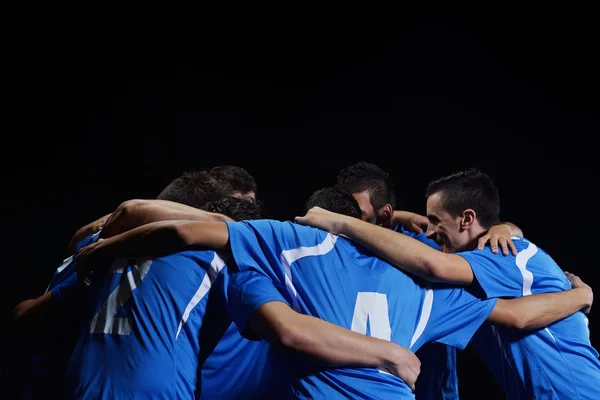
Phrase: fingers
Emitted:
{"points": [[417, 228], [506, 244], [482, 241], [494, 244], [300, 220], [513, 248], [570, 276], [503, 245]]}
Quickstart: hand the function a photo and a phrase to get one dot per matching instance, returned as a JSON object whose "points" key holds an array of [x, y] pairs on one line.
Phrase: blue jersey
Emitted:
{"points": [[438, 379], [491, 351], [153, 331], [557, 362], [48, 361], [64, 284], [331, 278]]}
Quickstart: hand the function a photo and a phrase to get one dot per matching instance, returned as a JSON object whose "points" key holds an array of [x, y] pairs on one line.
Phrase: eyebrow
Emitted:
{"points": [[433, 218]]}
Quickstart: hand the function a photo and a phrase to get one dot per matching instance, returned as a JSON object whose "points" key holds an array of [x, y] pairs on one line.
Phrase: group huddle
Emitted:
{"points": [[197, 294]]}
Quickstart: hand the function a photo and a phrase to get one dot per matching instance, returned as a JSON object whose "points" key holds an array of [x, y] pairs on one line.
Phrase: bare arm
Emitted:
{"points": [[133, 213], [403, 252], [87, 230], [30, 308], [153, 239], [540, 310], [410, 221], [332, 345]]}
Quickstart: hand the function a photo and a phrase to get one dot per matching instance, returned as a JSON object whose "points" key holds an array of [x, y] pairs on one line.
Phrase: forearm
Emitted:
{"points": [[134, 213], [162, 237], [401, 218], [87, 230], [329, 344], [539, 310], [408, 254]]}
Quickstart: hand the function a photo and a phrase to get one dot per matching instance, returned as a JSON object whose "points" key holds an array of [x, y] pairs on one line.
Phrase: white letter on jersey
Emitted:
{"points": [[372, 307], [105, 320]]}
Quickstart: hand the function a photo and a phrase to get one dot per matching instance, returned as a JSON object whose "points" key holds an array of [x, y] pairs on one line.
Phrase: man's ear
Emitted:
{"points": [[468, 219], [385, 215]]}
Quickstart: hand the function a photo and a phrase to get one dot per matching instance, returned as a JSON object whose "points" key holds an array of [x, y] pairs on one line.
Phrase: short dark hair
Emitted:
{"points": [[238, 209], [470, 188], [234, 178], [334, 199], [363, 176], [193, 188]]}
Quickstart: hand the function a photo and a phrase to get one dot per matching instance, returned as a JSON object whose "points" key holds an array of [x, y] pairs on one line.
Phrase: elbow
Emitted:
{"points": [[121, 219], [130, 207], [184, 233], [437, 270], [290, 338], [517, 320]]}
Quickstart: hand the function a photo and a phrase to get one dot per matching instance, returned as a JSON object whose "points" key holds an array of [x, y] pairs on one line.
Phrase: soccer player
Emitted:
{"points": [[283, 265], [161, 328], [374, 190], [61, 304], [556, 362]]}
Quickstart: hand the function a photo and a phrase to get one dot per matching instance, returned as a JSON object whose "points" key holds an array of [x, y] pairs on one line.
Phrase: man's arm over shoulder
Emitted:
{"points": [[401, 251], [133, 213], [259, 309], [540, 310]]}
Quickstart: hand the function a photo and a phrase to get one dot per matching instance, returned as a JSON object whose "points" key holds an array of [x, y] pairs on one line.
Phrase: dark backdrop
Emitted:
{"points": [[108, 104]]}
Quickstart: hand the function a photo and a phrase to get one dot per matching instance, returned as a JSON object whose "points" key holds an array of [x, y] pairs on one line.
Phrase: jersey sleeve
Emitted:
{"points": [[454, 316], [498, 275], [262, 246], [246, 292], [66, 290]]}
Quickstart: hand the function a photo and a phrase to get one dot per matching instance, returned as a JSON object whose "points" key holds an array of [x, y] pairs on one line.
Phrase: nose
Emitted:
{"points": [[430, 234]]}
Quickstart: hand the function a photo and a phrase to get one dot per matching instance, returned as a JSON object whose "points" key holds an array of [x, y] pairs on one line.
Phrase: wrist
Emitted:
{"points": [[390, 354], [344, 225], [585, 296], [589, 296]]}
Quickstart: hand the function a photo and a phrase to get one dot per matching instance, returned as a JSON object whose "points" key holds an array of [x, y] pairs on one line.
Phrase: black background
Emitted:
{"points": [[106, 104]]}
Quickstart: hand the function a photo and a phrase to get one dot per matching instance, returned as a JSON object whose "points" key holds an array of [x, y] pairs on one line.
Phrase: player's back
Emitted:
{"points": [[357, 291], [158, 328], [331, 278], [128, 346], [555, 362]]}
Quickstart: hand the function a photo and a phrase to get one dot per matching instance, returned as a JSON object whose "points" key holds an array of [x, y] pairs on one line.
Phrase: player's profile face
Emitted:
{"points": [[364, 202], [443, 228]]}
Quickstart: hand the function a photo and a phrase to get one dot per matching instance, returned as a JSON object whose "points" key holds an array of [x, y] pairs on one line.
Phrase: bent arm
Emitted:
{"points": [[133, 213], [409, 254], [331, 345], [155, 239], [35, 313], [87, 230], [539, 310]]}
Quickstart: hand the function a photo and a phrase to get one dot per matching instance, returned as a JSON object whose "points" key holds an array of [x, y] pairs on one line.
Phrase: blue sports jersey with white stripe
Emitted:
{"points": [[64, 285], [48, 361], [557, 362], [331, 278], [154, 331], [438, 379]]}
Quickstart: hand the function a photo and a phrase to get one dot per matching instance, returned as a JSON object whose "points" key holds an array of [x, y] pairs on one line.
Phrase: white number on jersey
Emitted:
{"points": [[372, 308], [106, 321]]}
